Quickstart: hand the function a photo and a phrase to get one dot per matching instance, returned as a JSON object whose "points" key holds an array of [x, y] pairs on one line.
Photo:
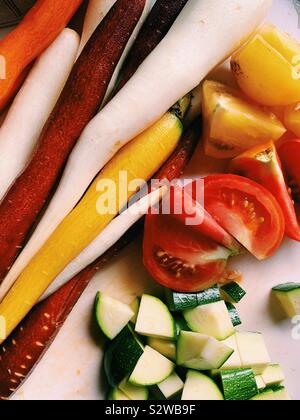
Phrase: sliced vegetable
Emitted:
{"points": [[151, 369], [273, 375], [169, 388], [199, 387], [112, 315], [253, 351], [58, 306], [260, 382], [135, 393], [234, 361], [291, 118], [178, 302], [212, 319], [239, 384], [234, 315], [267, 68], [154, 319], [247, 211], [78, 103], [262, 164], [90, 217], [122, 356], [101, 138], [117, 395], [288, 295], [42, 24], [165, 347], [201, 352], [33, 105], [233, 292], [232, 124]]}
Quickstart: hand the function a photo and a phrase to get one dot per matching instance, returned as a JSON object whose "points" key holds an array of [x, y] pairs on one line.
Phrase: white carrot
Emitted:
{"points": [[107, 238], [204, 35], [97, 9], [33, 105]]}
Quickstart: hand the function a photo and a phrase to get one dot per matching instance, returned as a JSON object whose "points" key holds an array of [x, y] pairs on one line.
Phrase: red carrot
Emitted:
{"points": [[33, 35], [24, 348], [78, 103]]}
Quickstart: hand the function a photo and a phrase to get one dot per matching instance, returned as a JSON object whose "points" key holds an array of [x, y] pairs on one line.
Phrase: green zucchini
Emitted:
{"points": [[232, 292], [253, 351], [234, 315], [239, 384], [289, 297], [165, 347], [178, 302], [199, 387]]}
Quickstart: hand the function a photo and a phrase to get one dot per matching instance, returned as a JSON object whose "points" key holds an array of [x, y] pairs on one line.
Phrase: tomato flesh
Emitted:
{"points": [[262, 164], [247, 211], [289, 154]]}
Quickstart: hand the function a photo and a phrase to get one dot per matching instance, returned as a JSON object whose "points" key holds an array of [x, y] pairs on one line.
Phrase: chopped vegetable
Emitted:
{"points": [[234, 315], [117, 395], [288, 295], [165, 347], [233, 292], [273, 375], [199, 387], [178, 302], [135, 393], [112, 316], [267, 68], [260, 382], [234, 361], [212, 319], [253, 351], [169, 388], [232, 124], [42, 24], [33, 105], [239, 384]]}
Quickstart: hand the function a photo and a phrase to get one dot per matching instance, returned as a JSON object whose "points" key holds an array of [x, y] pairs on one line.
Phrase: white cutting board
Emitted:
{"points": [[71, 368]]}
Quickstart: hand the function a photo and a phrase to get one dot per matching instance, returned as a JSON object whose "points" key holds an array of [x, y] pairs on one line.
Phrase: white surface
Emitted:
{"points": [[71, 368]]}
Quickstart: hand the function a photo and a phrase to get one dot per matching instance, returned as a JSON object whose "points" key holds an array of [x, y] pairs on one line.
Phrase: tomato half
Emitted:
{"points": [[181, 258], [248, 211], [262, 164]]}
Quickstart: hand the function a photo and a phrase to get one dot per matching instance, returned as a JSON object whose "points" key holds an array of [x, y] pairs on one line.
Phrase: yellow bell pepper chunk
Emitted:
{"points": [[232, 124], [141, 158], [267, 68], [291, 118]]}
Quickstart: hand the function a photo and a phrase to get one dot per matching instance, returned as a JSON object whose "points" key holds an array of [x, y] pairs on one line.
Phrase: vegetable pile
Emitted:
{"points": [[185, 347]]}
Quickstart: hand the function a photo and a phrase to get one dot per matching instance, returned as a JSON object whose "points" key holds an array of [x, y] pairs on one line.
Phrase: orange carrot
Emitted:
{"points": [[32, 36]]}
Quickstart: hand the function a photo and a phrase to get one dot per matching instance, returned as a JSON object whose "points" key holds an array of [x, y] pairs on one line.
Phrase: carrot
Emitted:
{"points": [[33, 105], [154, 29], [33, 35], [78, 103], [53, 312]]}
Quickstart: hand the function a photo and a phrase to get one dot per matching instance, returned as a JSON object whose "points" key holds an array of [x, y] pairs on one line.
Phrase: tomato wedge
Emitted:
{"points": [[179, 257], [262, 164], [248, 211]]}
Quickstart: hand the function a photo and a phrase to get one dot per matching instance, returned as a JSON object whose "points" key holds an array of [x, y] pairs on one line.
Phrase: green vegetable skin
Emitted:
{"points": [[121, 356], [178, 302], [239, 384], [289, 297], [234, 315], [233, 292]]}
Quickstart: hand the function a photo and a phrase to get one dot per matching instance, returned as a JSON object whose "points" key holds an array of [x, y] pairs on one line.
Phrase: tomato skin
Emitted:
{"points": [[168, 235], [248, 211], [289, 153], [262, 164]]}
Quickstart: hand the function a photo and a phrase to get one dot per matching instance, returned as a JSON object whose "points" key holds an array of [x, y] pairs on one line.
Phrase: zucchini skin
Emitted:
{"points": [[179, 302], [235, 318], [239, 384], [234, 292]]}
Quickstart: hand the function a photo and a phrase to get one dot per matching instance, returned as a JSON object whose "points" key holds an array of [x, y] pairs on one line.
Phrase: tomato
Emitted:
{"points": [[248, 211], [262, 164], [289, 153], [181, 258]]}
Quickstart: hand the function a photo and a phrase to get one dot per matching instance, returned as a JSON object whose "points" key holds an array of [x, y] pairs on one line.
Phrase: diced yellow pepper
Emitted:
{"points": [[233, 125], [292, 118], [267, 68]]}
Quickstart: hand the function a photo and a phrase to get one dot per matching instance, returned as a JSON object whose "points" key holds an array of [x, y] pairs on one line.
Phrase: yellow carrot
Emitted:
{"points": [[140, 159]]}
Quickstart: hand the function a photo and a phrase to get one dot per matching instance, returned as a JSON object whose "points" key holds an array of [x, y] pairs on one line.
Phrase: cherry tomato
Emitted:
{"points": [[262, 164]]}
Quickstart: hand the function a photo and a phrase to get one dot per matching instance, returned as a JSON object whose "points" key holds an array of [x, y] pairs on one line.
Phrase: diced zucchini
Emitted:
{"points": [[112, 316], [135, 393], [260, 382], [181, 324], [201, 352], [117, 395], [234, 315], [289, 297], [234, 361], [178, 302], [121, 356], [239, 384], [151, 369], [155, 319], [135, 306], [232, 292], [199, 387], [273, 375], [212, 319], [169, 388], [165, 347], [253, 351]]}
